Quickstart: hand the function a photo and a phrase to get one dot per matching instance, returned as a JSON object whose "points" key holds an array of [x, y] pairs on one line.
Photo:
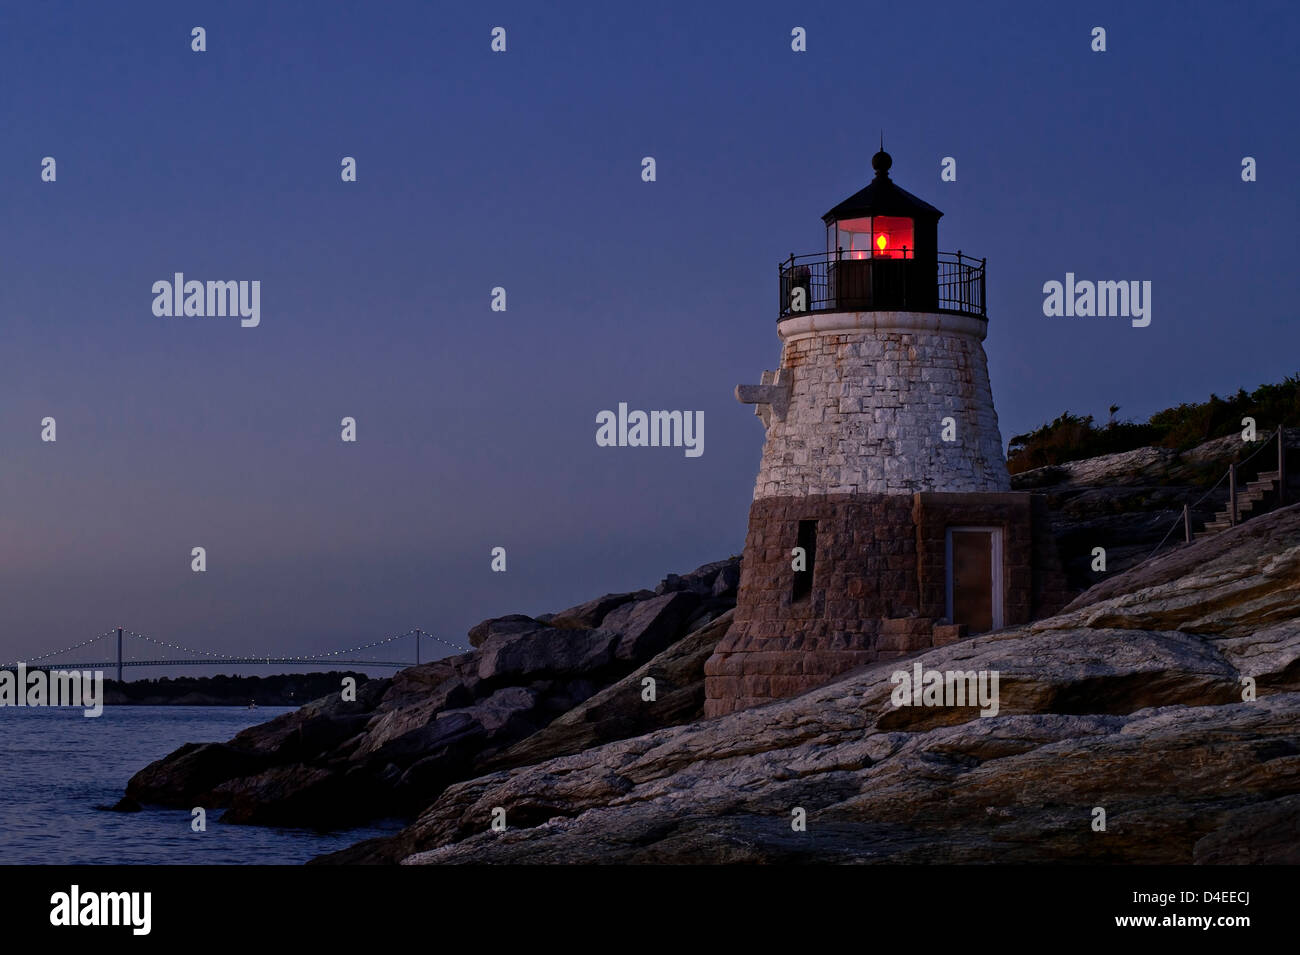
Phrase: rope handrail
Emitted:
{"points": [[1277, 435], [1262, 445], [1162, 540], [1212, 489]]}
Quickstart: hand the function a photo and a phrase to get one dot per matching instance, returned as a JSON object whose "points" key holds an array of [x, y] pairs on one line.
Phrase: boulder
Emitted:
{"points": [[727, 583], [191, 772], [700, 581], [589, 615], [509, 624], [1268, 831], [398, 721], [543, 650], [619, 710], [269, 737], [294, 794], [647, 626]]}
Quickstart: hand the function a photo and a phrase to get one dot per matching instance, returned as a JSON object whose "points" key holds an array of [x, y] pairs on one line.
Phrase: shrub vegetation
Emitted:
{"points": [[1073, 437]]}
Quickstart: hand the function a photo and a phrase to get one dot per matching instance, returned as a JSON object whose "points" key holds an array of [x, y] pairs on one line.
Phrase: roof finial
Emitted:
{"points": [[881, 161]]}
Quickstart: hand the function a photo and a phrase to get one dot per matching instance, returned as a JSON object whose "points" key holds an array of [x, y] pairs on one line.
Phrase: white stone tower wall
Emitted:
{"points": [[869, 392]]}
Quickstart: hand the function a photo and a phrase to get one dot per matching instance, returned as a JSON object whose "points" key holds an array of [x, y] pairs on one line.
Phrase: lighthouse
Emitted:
{"points": [[883, 521]]}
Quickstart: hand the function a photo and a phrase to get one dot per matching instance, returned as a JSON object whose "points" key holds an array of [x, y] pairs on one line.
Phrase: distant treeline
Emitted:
{"points": [[282, 689], [1073, 437]]}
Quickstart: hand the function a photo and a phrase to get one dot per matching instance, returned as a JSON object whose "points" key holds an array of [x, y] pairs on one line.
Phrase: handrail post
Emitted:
{"points": [[1281, 465], [984, 309], [782, 292], [1232, 495], [905, 299], [417, 646], [787, 272], [871, 276], [1187, 525], [119, 654]]}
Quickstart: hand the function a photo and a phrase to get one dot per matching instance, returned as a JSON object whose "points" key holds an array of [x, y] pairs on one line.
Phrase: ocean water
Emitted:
{"points": [[56, 766]]}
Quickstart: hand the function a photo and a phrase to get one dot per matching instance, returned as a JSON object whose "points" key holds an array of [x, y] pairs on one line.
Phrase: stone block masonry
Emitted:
{"points": [[866, 410], [856, 466], [878, 590]]}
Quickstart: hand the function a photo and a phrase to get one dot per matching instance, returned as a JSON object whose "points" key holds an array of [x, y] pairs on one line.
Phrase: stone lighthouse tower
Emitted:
{"points": [[883, 522]]}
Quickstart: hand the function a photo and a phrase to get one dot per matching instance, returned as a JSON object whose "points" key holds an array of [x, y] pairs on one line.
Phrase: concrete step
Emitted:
{"points": [[1245, 505], [1222, 517], [1251, 494]]}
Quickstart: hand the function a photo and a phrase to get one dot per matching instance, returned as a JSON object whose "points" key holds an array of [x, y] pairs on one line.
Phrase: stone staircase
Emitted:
{"points": [[1269, 490], [1262, 491]]}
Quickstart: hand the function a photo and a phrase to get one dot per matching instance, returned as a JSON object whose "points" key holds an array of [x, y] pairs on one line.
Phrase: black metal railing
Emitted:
{"points": [[840, 282]]}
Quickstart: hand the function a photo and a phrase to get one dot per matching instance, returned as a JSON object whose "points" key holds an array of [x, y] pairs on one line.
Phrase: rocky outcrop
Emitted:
{"points": [[1249, 581], [1131, 702], [391, 751], [1018, 789], [586, 615], [622, 710], [1127, 503], [1135, 699]]}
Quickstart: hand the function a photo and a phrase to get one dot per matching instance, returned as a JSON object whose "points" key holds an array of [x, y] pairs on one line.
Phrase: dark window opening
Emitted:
{"points": [[803, 579]]}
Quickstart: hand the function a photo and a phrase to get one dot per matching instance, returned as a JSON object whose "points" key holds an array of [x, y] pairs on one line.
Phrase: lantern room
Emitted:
{"points": [[872, 237], [881, 246], [882, 255], [882, 221]]}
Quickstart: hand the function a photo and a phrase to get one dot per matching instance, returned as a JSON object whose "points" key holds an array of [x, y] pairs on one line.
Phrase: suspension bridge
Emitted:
{"points": [[52, 661]]}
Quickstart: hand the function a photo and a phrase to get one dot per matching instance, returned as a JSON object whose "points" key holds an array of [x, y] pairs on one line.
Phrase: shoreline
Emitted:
{"points": [[275, 690]]}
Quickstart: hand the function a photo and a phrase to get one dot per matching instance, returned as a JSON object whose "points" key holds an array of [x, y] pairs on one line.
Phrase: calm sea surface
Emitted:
{"points": [[56, 766]]}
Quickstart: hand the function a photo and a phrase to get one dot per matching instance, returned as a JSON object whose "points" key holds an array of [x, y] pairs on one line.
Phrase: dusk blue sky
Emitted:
{"points": [[477, 428]]}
